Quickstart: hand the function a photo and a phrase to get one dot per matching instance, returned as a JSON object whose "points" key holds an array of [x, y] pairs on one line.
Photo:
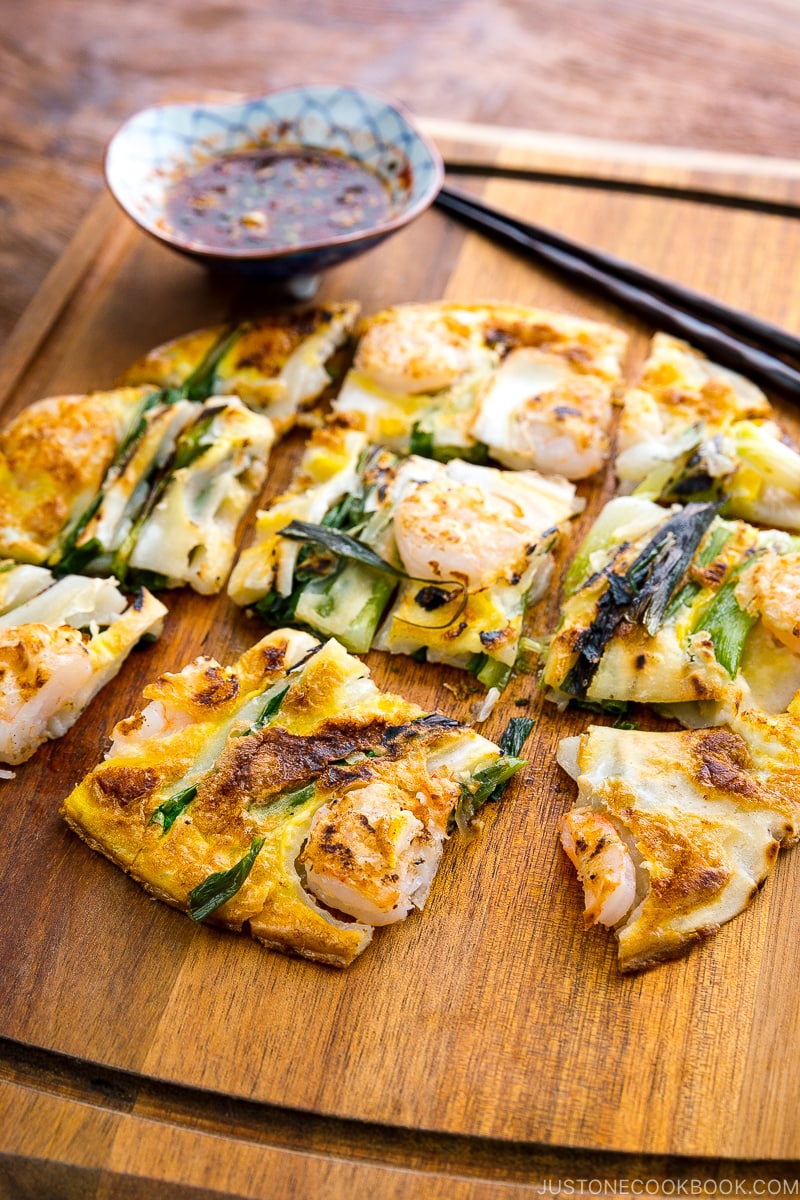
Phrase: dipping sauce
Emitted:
{"points": [[276, 199]]}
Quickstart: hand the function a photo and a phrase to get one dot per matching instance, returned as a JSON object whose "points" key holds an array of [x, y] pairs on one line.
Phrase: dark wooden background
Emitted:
{"points": [[709, 74]]}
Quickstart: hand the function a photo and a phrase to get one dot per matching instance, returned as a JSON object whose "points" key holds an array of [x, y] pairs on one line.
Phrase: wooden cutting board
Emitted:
{"points": [[488, 1044]]}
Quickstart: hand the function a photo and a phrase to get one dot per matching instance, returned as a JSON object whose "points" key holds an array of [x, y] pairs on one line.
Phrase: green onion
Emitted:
{"points": [[683, 597], [515, 735], [287, 800], [69, 557], [718, 539], [344, 546], [154, 581], [727, 625], [277, 609], [642, 593], [188, 448], [422, 442], [340, 544], [197, 386], [220, 887], [72, 559], [200, 383], [486, 784], [348, 514], [167, 813], [269, 710], [298, 796], [190, 445], [358, 636], [623, 520], [489, 671], [602, 707]]}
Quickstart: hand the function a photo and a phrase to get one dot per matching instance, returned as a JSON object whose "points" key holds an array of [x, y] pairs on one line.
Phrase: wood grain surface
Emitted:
{"points": [[481, 1046]]}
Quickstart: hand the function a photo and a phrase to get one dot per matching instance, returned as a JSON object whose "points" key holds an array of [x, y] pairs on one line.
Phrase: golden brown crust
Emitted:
{"points": [[258, 769], [246, 787], [261, 349], [53, 458], [581, 342], [265, 345], [702, 822], [712, 398], [170, 364]]}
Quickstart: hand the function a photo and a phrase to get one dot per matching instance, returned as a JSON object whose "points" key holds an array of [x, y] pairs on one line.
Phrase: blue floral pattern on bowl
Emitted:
{"points": [[157, 145]]}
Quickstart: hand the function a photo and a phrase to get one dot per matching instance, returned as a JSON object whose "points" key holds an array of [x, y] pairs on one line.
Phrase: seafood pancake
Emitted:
{"points": [[285, 795], [680, 608], [58, 648], [405, 553], [275, 365], [186, 533], [53, 458], [170, 504], [693, 430], [528, 388], [673, 834]]}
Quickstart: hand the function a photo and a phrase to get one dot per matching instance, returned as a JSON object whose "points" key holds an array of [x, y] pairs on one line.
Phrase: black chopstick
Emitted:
{"points": [[707, 324]]}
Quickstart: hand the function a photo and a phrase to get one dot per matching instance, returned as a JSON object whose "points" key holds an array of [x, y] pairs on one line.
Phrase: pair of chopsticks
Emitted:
{"points": [[745, 343]]}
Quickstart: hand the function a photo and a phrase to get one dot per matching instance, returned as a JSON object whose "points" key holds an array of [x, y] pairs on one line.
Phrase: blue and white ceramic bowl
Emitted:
{"points": [[156, 146]]}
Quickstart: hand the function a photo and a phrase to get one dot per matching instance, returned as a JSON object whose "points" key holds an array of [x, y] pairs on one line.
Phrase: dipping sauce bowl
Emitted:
{"points": [[277, 187]]}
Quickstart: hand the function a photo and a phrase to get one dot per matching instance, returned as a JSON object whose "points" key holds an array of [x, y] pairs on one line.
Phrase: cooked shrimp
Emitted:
{"points": [[451, 530], [604, 865], [771, 587], [41, 672], [418, 350], [566, 431], [373, 852], [201, 690], [538, 412]]}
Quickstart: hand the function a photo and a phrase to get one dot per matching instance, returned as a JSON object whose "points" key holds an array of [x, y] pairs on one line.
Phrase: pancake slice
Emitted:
{"points": [[53, 458], [277, 365], [58, 649], [405, 553], [285, 795], [673, 834], [680, 608], [527, 388], [694, 430]]}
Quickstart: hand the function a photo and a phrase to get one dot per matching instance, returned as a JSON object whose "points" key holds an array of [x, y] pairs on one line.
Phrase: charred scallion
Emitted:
{"points": [[199, 385], [643, 592], [515, 735], [489, 783], [486, 784]]}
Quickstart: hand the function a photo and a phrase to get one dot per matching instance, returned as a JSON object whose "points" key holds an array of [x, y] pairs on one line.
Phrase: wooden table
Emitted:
{"points": [[703, 74]]}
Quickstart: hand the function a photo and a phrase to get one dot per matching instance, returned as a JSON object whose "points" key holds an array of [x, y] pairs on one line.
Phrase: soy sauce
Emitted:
{"points": [[276, 199]]}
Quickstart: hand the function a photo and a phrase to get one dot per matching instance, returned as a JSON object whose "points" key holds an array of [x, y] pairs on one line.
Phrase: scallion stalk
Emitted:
{"points": [[222, 886]]}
